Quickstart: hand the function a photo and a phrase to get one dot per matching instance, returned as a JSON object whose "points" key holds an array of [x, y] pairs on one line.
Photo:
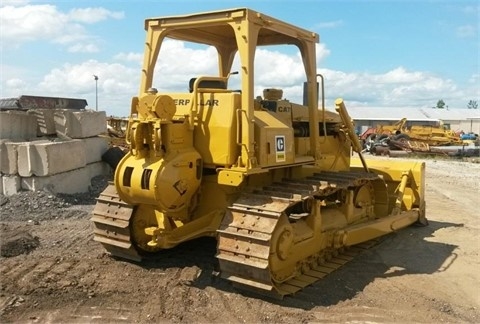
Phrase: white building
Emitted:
{"points": [[466, 120]]}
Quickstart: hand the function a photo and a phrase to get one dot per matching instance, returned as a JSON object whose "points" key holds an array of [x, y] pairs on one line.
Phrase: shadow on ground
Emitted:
{"points": [[403, 253]]}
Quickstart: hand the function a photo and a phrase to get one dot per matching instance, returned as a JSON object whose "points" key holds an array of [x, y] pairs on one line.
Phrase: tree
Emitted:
{"points": [[440, 104], [472, 104]]}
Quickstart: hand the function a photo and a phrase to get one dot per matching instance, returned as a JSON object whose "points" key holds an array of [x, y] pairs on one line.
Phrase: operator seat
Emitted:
{"points": [[209, 84]]}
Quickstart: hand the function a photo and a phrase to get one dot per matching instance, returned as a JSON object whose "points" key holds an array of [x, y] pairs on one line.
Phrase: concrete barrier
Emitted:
{"points": [[95, 148], [80, 124], [42, 159], [65, 164], [9, 155], [45, 121], [10, 185], [17, 125], [70, 182]]}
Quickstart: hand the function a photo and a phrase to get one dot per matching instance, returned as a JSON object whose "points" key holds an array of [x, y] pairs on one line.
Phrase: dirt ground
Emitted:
{"points": [[51, 270]]}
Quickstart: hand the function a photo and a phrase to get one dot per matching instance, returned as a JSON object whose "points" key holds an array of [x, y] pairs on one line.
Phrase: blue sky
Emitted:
{"points": [[372, 53]]}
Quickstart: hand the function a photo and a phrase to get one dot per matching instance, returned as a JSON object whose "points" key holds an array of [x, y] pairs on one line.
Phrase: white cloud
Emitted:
{"points": [[398, 75], [322, 52], [396, 88], [129, 57], [118, 82], [475, 79], [86, 48], [42, 22], [93, 15], [181, 63], [5, 3], [14, 87], [76, 33], [274, 68], [29, 22], [15, 83]]}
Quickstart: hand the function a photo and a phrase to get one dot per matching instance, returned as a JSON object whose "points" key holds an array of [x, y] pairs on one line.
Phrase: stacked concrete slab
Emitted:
{"points": [[17, 125], [59, 150]]}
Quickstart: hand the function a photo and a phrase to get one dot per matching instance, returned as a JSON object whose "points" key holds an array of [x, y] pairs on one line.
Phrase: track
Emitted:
{"points": [[111, 218], [246, 238]]}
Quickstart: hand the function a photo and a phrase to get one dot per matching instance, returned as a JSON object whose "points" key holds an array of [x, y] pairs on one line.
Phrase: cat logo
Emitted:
{"points": [[280, 148], [283, 109]]}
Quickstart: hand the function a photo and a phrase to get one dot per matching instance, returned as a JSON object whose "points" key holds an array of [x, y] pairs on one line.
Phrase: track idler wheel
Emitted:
{"points": [[281, 244], [143, 219]]}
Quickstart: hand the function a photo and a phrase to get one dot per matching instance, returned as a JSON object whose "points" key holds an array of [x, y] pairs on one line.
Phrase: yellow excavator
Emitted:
{"points": [[274, 181]]}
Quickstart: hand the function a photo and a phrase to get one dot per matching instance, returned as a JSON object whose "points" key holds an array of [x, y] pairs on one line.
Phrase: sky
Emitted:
{"points": [[381, 54]]}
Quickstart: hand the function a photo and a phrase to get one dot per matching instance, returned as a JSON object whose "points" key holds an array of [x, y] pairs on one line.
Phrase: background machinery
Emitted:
{"points": [[274, 181], [400, 136]]}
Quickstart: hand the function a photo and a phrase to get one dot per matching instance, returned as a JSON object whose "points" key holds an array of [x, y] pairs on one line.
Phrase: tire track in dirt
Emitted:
{"points": [[67, 236], [16, 268], [357, 314], [34, 276], [407, 278]]}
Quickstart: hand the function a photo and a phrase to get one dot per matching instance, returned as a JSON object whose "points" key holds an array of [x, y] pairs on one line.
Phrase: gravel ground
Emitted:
{"points": [[52, 271], [36, 206]]}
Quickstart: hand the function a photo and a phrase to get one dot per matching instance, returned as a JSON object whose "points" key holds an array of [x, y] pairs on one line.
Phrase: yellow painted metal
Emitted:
{"points": [[392, 129], [347, 121], [215, 131], [230, 177], [400, 191], [274, 181], [270, 132], [394, 172], [379, 227], [439, 134]]}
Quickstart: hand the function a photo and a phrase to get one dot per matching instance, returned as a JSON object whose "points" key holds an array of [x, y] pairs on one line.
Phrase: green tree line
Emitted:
{"points": [[472, 104]]}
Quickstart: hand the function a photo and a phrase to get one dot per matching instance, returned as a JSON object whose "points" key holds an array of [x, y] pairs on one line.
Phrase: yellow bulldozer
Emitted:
{"points": [[434, 135], [274, 181]]}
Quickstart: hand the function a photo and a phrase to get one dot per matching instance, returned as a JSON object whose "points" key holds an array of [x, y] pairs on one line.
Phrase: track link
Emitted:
{"points": [[246, 233], [111, 218]]}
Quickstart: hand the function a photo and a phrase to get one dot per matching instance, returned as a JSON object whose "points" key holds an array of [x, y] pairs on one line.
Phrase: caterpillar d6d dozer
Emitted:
{"points": [[274, 181]]}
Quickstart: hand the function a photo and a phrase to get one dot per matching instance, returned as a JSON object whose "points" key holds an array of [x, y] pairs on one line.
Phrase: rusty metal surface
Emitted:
{"points": [[111, 219], [9, 103], [26, 102], [247, 233]]}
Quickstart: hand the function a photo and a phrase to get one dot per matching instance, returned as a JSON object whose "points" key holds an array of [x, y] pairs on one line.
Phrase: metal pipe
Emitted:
{"points": [[400, 191], [347, 121], [96, 91]]}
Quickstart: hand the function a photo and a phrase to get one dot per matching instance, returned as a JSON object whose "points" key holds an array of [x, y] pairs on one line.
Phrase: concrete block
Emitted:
{"points": [[42, 159], [10, 184], [70, 182], [80, 123], [17, 125], [9, 155], [98, 168], [45, 121], [95, 148]]}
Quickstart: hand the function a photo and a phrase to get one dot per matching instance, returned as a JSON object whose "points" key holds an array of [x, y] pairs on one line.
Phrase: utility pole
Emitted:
{"points": [[96, 91]]}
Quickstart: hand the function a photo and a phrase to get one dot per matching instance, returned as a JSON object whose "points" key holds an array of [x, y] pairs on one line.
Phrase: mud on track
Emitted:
{"points": [[57, 273]]}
